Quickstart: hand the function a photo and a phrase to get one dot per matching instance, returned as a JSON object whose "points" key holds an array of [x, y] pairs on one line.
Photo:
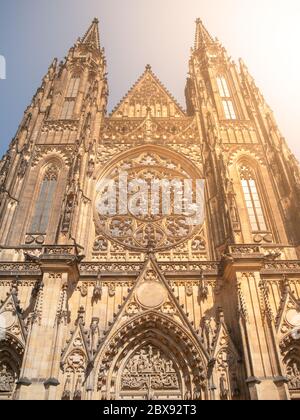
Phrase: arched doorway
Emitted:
{"points": [[152, 358], [11, 354]]}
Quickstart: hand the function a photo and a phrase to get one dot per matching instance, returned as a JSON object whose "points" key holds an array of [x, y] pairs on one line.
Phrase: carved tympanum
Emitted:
{"points": [[150, 369]]}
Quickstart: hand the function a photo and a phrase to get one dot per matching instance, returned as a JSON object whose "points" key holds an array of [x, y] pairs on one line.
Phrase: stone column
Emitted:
{"points": [[265, 378], [42, 357]]}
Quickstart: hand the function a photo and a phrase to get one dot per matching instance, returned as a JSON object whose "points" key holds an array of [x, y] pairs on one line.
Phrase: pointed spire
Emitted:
{"points": [[203, 37], [92, 38]]}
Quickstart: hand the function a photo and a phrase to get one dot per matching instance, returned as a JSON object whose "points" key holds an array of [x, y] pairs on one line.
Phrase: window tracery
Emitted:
{"points": [[44, 202], [226, 97], [252, 199], [159, 227]]}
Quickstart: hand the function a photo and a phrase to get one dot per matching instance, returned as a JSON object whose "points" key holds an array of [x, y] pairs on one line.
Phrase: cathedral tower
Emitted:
{"points": [[143, 304]]}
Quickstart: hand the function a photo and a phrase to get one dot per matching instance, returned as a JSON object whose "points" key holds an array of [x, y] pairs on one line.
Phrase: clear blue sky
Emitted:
{"points": [[160, 32]]}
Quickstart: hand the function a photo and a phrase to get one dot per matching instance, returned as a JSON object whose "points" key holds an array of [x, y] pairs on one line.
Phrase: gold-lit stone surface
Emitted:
{"points": [[133, 306], [293, 318], [151, 295]]}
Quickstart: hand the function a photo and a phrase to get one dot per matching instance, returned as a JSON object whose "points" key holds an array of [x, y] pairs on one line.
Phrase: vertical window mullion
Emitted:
{"points": [[253, 205], [261, 224], [35, 225], [47, 206], [228, 104], [42, 212], [43, 204], [253, 201]]}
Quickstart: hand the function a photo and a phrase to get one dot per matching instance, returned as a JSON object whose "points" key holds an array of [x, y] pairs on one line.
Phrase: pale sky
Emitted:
{"points": [[265, 33]]}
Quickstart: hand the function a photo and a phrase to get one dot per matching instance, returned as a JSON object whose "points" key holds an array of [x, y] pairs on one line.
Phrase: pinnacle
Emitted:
{"points": [[92, 35], [203, 37]]}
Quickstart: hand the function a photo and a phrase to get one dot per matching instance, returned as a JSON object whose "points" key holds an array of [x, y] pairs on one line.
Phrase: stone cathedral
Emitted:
{"points": [[149, 307]]}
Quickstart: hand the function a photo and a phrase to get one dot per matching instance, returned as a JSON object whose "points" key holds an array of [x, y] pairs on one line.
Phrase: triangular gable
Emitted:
{"points": [[79, 342], [11, 318], [223, 339], [148, 93], [152, 293]]}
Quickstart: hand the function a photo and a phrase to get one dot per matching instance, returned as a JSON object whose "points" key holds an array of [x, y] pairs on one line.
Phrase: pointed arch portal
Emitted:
{"points": [[152, 358]]}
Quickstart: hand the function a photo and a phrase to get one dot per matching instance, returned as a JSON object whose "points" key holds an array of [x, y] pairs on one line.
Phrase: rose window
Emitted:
{"points": [[148, 202]]}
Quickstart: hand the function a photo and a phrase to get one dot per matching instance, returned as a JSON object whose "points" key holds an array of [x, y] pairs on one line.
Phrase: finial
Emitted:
{"points": [[96, 21], [198, 21], [148, 67]]}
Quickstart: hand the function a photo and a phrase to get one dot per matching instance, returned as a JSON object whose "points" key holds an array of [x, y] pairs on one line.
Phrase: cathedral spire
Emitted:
{"points": [[203, 37], [92, 38]]}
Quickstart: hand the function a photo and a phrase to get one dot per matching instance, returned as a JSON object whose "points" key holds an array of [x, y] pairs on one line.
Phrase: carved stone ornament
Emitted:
{"points": [[7, 378], [149, 369], [84, 290], [293, 372], [129, 224], [151, 294]]}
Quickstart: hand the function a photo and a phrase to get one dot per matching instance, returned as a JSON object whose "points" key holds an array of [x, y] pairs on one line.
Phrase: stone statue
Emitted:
{"points": [[207, 333], [6, 379], [95, 334], [224, 392]]}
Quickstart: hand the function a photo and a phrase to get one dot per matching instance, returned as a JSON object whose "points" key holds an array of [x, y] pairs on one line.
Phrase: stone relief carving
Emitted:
{"points": [[139, 232], [293, 374], [148, 369], [7, 378], [207, 333]]}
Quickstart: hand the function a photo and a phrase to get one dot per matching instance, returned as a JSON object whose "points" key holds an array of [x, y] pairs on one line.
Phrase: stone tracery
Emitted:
{"points": [[155, 228], [149, 369]]}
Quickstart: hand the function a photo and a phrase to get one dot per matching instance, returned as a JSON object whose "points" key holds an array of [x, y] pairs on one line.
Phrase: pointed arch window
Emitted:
{"points": [[252, 199], [227, 100], [44, 202]]}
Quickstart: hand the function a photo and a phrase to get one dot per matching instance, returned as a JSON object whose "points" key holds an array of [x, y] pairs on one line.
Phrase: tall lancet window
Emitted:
{"points": [[226, 97], [73, 87], [69, 104], [252, 199], [44, 202]]}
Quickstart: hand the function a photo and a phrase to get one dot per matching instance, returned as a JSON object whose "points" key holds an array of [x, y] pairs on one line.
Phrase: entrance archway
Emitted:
{"points": [[153, 358]]}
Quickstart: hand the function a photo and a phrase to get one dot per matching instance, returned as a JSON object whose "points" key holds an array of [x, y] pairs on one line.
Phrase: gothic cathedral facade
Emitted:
{"points": [[136, 307]]}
